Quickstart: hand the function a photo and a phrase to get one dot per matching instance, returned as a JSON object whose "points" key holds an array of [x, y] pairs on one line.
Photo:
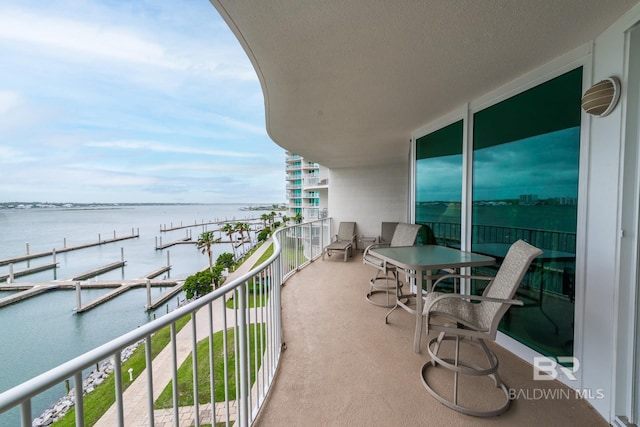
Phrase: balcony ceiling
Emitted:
{"points": [[346, 82]]}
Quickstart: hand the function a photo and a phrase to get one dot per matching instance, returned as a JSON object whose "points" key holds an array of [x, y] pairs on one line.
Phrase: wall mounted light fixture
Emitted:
{"points": [[601, 98]]}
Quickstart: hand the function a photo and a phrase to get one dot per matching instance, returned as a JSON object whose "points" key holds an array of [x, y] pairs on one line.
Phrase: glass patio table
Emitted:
{"points": [[419, 262]]}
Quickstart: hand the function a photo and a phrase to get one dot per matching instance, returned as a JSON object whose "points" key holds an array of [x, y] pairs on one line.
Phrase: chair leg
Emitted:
{"points": [[458, 366], [398, 295], [374, 288]]}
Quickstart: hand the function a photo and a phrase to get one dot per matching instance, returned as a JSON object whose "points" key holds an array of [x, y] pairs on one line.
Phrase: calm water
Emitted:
{"points": [[43, 331]]}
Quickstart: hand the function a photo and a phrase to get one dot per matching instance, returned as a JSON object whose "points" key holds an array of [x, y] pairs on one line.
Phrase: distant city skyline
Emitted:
{"points": [[124, 102]]}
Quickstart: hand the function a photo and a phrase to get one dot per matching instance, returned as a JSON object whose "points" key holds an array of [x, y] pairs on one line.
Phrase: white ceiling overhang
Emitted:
{"points": [[346, 82]]}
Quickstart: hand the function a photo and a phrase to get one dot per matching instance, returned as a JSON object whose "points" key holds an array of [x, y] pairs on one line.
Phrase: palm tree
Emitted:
{"points": [[298, 218], [205, 240], [241, 227], [285, 219], [230, 229], [264, 217]]}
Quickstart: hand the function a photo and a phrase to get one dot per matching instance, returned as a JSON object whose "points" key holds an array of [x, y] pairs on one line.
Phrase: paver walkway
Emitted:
{"points": [[135, 397]]}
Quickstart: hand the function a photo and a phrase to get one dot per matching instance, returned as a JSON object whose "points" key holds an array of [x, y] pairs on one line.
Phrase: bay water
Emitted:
{"points": [[41, 332]]}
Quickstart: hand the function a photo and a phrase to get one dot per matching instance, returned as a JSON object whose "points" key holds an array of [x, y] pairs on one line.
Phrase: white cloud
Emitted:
{"points": [[9, 155], [9, 100], [91, 39], [165, 148], [130, 101]]}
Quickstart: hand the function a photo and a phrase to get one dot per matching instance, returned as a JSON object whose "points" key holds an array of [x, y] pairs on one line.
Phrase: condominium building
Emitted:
{"points": [[307, 188]]}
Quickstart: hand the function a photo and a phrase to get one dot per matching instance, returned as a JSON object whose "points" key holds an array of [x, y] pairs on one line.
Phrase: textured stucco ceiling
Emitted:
{"points": [[347, 81]]}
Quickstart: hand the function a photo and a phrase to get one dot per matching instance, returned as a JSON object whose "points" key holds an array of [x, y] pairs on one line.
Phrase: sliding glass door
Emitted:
{"points": [[439, 185], [526, 153], [524, 165]]}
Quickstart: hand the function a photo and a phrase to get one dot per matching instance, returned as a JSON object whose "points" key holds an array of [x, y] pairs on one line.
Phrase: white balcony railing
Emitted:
{"points": [[255, 351]]}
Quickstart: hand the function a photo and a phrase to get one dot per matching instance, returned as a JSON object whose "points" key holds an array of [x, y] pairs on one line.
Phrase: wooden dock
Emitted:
{"points": [[171, 227], [104, 298], [97, 271], [26, 272], [165, 296], [28, 290], [26, 293], [28, 257], [186, 240], [157, 272]]}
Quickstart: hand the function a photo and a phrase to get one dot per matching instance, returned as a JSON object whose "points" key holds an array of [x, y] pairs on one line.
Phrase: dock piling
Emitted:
{"points": [[78, 296], [10, 280], [122, 254], [27, 248], [148, 294]]}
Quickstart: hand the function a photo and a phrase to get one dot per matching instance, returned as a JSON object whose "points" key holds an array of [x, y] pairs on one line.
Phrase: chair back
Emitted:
{"points": [[346, 231], [506, 282], [386, 234], [427, 236], [405, 234]]}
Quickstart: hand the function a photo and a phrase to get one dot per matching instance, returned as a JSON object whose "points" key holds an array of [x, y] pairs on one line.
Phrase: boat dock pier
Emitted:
{"points": [[26, 272], [28, 256], [97, 271], [186, 240], [171, 227], [28, 290]]}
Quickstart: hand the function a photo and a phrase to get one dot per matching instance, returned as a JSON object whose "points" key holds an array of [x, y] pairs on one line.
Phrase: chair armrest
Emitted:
{"points": [[376, 245], [427, 309], [459, 276]]}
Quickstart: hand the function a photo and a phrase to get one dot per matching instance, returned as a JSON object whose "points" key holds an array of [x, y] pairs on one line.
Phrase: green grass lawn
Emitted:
{"points": [[255, 300], [103, 396], [185, 372]]}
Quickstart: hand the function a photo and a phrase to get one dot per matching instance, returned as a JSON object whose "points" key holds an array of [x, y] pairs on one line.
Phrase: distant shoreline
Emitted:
{"points": [[69, 205]]}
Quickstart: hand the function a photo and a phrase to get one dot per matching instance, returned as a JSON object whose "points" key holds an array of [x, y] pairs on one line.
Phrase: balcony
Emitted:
{"points": [[344, 366], [337, 362]]}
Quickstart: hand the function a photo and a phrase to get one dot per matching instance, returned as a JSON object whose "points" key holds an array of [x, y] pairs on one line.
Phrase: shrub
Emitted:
{"points": [[198, 284], [264, 235], [226, 260]]}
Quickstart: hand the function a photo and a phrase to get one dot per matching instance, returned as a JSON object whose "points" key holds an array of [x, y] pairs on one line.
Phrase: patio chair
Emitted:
{"points": [[465, 320], [403, 235], [386, 232], [343, 241], [425, 237]]}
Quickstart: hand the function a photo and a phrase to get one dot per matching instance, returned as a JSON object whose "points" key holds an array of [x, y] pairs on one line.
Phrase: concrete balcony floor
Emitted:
{"points": [[343, 366]]}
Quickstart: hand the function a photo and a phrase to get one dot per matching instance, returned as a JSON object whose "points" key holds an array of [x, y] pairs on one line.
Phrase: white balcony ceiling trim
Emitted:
{"points": [[346, 82]]}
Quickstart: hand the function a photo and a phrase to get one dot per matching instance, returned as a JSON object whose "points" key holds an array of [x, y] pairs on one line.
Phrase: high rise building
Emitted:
{"points": [[307, 188]]}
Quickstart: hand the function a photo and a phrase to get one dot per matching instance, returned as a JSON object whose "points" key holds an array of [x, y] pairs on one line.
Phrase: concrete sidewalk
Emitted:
{"points": [[135, 397]]}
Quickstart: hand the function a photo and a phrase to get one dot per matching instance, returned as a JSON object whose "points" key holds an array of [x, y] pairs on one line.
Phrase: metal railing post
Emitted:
{"points": [[194, 360], [149, 360], [243, 410], [79, 402], [174, 369], [117, 372]]}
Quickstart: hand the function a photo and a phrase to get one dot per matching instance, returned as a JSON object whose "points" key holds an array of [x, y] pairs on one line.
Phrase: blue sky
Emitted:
{"points": [[545, 165], [119, 101]]}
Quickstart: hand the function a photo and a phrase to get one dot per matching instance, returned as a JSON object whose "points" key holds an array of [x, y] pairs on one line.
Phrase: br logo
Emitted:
{"points": [[545, 368]]}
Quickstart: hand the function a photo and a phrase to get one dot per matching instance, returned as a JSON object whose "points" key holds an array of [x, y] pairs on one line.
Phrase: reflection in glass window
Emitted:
{"points": [[439, 185], [525, 186]]}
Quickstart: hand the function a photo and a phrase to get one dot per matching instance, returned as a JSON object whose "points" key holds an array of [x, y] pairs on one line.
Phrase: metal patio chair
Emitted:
{"points": [[472, 316], [343, 242], [403, 235]]}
